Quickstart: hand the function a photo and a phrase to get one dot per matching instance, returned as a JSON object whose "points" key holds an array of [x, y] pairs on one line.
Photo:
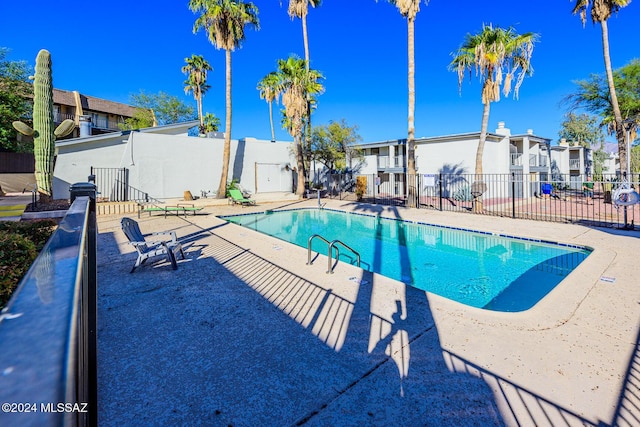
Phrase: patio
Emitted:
{"points": [[244, 333]]}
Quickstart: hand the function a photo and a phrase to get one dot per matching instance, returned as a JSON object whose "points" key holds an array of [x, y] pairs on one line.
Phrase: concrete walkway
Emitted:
{"points": [[245, 334]]}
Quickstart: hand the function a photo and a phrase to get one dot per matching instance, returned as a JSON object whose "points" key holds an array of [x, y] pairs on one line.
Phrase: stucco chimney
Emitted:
{"points": [[529, 131], [502, 130], [563, 142], [85, 126]]}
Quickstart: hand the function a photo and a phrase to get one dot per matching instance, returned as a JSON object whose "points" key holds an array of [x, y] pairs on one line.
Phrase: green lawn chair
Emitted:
{"points": [[237, 197]]}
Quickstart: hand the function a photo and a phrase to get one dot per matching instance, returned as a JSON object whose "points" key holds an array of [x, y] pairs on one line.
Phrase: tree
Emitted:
{"points": [[498, 56], [158, 109], [593, 95], [333, 144], [583, 129], [211, 123], [409, 9], [142, 118], [300, 9], [635, 159], [196, 70], [15, 91], [268, 91], [225, 21], [601, 11], [297, 86]]}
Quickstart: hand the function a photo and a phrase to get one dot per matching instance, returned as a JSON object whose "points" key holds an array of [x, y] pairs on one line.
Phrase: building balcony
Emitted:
{"points": [[104, 123], [386, 162], [543, 161], [574, 164], [516, 159], [60, 117], [538, 161]]}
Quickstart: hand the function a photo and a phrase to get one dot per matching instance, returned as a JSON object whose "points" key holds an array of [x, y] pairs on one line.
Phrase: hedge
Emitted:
{"points": [[20, 243]]}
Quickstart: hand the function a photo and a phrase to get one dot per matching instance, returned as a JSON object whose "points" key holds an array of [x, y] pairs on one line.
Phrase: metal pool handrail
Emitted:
{"points": [[331, 246], [340, 242]]}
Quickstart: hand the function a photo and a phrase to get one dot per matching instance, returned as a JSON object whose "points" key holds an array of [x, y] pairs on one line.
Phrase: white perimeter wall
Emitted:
{"points": [[460, 156], [164, 166]]}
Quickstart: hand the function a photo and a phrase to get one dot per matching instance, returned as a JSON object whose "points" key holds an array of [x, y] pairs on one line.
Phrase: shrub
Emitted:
{"points": [[361, 186], [233, 185], [16, 256], [463, 194], [37, 232], [20, 243]]}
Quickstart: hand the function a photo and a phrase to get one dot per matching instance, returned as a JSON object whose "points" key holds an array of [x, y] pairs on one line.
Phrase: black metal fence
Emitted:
{"points": [[113, 186], [557, 198], [48, 328]]}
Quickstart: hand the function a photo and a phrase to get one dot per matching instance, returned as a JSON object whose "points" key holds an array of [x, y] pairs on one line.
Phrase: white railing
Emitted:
{"points": [[516, 159], [533, 160], [574, 163]]}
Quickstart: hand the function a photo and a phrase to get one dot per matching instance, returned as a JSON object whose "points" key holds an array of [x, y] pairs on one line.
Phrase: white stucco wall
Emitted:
{"points": [[74, 160], [369, 165], [450, 156], [164, 166]]}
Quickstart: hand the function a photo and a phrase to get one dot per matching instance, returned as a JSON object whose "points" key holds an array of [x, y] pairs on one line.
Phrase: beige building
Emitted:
{"points": [[91, 114]]}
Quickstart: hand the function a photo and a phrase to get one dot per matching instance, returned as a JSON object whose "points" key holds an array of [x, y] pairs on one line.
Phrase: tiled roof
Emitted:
{"points": [[63, 97], [90, 103]]}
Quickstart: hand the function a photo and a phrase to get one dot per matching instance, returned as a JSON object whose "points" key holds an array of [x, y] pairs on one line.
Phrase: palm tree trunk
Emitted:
{"points": [[477, 201], [226, 154], [411, 147], [199, 100], [273, 133], [307, 151], [305, 39], [483, 138], [622, 146], [300, 160]]}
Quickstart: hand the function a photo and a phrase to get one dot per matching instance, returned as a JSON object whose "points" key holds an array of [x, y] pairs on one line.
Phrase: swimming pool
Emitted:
{"points": [[484, 270]]}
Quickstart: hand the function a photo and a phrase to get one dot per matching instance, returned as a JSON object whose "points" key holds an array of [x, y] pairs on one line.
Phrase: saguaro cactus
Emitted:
{"points": [[43, 132]]}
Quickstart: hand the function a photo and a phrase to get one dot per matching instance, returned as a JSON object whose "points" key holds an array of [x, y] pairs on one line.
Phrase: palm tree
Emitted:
{"points": [[268, 91], [300, 9], [225, 21], [499, 56], [196, 70], [601, 11], [409, 9], [297, 86]]}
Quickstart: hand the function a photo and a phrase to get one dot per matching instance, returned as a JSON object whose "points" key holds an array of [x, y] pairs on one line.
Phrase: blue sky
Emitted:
{"points": [[114, 49]]}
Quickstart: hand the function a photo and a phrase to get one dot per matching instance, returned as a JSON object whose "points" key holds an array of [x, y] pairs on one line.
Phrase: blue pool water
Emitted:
{"points": [[478, 269]]}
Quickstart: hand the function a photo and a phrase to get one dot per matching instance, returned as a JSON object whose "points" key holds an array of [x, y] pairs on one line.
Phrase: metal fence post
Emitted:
{"points": [[440, 190], [90, 310], [513, 195]]}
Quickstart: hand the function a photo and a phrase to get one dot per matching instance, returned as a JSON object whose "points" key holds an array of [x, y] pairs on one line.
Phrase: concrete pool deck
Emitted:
{"points": [[245, 334]]}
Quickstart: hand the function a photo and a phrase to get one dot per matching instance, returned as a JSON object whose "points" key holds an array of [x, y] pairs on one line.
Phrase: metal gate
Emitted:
{"points": [[112, 184]]}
